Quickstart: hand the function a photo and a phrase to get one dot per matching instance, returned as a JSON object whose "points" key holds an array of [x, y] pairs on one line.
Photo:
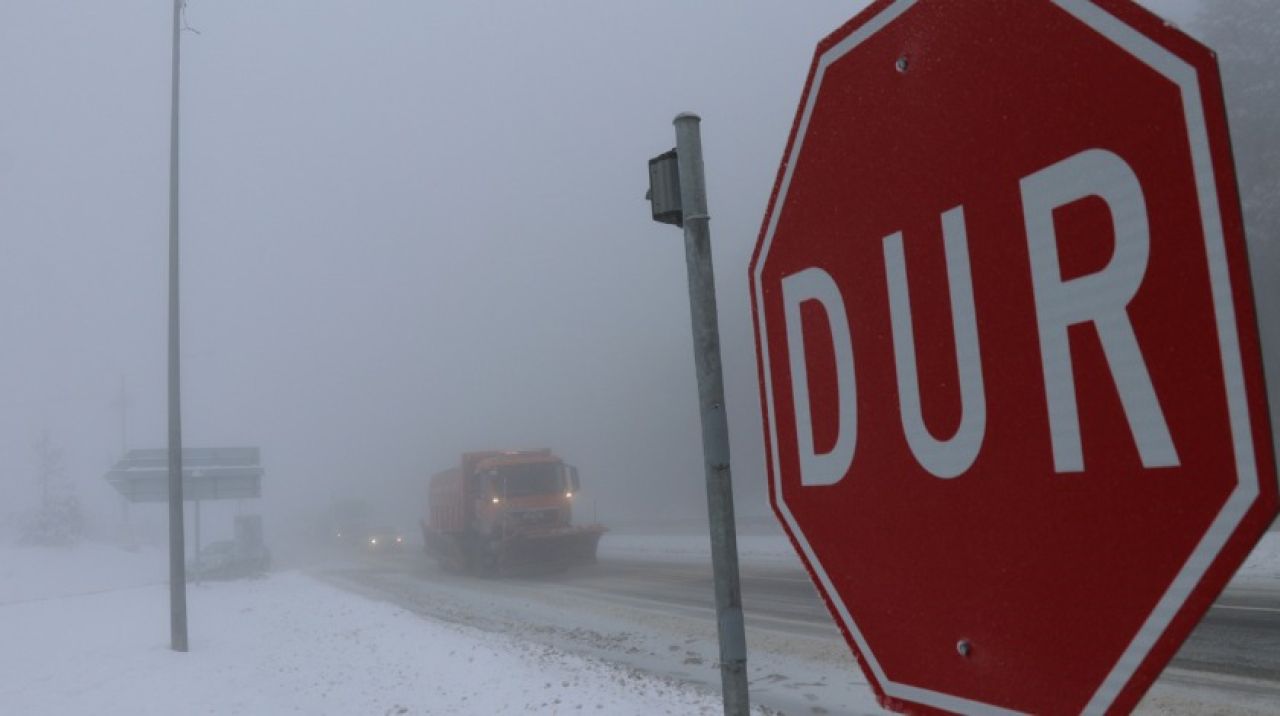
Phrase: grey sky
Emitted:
{"points": [[409, 229]]}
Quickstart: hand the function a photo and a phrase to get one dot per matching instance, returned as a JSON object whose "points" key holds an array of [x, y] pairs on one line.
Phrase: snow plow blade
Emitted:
{"points": [[552, 550]]}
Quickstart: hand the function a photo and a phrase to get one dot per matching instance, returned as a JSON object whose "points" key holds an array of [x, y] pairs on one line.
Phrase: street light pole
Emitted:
{"points": [[124, 417], [177, 548]]}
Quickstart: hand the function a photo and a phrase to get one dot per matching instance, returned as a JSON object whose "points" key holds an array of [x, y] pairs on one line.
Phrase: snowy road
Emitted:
{"points": [[653, 617], [657, 616], [1240, 637]]}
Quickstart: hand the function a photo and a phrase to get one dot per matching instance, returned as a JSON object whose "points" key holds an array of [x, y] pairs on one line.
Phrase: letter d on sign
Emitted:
{"points": [[814, 284]]}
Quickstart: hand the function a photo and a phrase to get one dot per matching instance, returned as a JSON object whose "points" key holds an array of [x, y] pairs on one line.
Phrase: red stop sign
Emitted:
{"points": [[1014, 410]]}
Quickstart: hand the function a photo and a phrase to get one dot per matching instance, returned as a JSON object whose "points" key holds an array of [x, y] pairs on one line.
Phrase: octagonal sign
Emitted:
{"points": [[1014, 409]]}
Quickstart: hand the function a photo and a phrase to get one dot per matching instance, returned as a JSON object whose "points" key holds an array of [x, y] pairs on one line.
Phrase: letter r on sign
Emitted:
{"points": [[1101, 298]]}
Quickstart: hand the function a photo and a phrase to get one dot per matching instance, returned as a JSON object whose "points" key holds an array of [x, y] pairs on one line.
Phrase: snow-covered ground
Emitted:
{"points": [[42, 572], [1180, 693], [1262, 565], [78, 638], [85, 630], [696, 548]]}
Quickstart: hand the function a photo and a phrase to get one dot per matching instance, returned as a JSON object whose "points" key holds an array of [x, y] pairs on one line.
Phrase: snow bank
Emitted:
{"points": [[1263, 563], [685, 548], [288, 644], [28, 573]]}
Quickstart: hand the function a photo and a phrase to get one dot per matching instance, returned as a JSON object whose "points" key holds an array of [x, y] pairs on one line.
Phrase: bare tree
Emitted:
{"points": [[49, 468], [58, 520]]}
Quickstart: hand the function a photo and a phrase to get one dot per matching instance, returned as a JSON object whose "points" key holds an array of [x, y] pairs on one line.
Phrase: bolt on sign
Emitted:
{"points": [[1014, 409]]}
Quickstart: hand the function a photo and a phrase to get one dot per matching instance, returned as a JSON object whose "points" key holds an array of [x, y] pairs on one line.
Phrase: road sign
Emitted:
{"points": [[207, 474], [1014, 409]]}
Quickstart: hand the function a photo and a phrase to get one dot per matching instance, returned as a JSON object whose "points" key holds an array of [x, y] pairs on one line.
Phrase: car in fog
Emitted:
{"points": [[383, 539], [229, 559], [350, 534], [347, 521]]}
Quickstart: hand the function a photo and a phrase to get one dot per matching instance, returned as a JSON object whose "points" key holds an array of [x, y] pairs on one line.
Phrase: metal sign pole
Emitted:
{"points": [[195, 552], [715, 429], [177, 563]]}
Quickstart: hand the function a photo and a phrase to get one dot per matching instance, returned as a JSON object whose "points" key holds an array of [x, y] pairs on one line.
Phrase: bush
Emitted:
{"points": [[60, 522]]}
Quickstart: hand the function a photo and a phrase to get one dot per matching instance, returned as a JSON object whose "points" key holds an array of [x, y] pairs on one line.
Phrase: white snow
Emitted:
{"points": [[1262, 565], [85, 630], [283, 644], [41, 572], [692, 548]]}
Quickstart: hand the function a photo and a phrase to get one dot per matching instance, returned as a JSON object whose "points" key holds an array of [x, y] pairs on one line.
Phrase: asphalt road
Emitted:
{"points": [[1240, 636], [1234, 652]]}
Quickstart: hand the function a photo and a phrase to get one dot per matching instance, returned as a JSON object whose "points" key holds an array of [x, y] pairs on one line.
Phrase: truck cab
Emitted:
{"points": [[504, 509], [518, 492]]}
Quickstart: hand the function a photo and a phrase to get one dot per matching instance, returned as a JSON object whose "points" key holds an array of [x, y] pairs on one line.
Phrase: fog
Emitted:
{"points": [[408, 230]]}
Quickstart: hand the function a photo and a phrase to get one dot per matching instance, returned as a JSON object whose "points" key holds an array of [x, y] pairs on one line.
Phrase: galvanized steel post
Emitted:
{"points": [[177, 547], [715, 429], [195, 548]]}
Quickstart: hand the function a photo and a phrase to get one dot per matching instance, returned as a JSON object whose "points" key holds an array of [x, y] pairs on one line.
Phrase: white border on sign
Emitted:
{"points": [[1247, 487]]}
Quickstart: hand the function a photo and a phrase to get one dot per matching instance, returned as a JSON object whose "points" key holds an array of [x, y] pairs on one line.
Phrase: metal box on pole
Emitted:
{"points": [[664, 189]]}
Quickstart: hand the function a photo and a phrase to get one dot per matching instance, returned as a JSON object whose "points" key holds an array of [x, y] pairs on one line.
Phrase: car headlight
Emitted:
{"points": [[373, 540]]}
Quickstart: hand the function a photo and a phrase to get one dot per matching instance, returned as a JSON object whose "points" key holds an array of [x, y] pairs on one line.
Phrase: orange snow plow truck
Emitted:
{"points": [[504, 512]]}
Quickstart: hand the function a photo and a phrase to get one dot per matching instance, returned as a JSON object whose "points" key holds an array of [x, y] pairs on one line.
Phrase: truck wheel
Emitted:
{"points": [[488, 563], [483, 556]]}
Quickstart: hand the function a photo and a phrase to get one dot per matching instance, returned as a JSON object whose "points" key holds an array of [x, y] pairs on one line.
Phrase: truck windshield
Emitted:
{"points": [[537, 479]]}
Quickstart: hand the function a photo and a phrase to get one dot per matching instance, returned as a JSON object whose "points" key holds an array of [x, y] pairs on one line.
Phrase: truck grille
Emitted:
{"points": [[537, 517]]}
